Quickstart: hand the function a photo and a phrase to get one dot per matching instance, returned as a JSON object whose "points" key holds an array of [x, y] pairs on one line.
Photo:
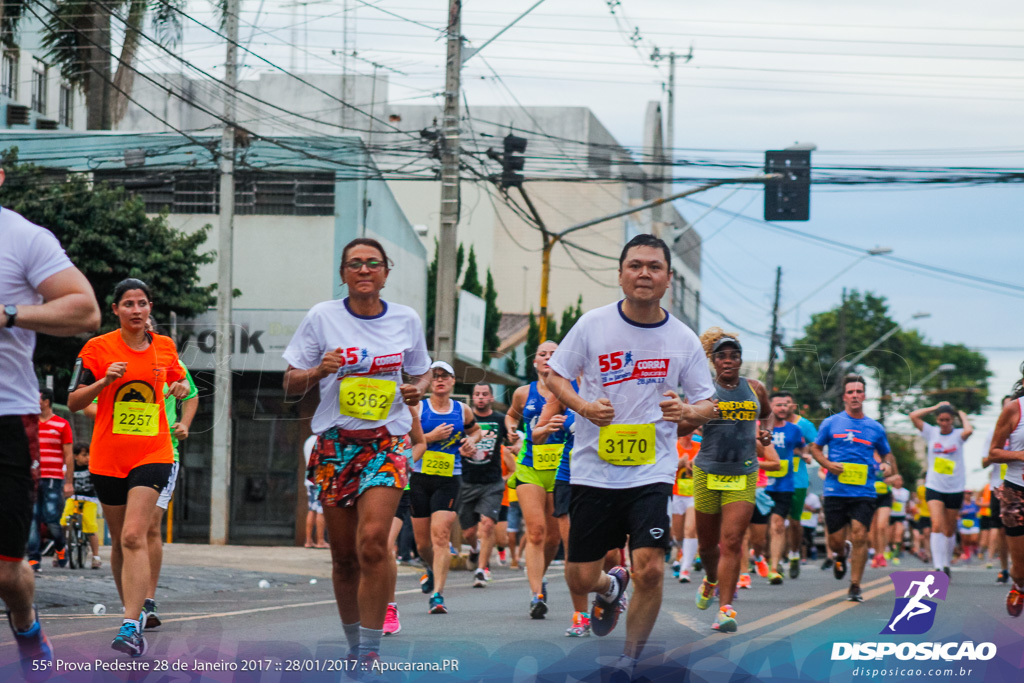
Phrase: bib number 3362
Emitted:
{"points": [[366, 398], [627, 445]]}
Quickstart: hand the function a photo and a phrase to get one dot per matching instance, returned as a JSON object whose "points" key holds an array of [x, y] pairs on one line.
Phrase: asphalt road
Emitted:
{"points": [[290, 630]]}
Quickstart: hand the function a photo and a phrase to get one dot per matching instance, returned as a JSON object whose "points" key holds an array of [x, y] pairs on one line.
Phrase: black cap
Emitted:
{"points": [[726, 341]]}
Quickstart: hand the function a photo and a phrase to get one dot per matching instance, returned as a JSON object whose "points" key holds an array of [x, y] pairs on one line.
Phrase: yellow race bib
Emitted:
{"points": [[438, 463], [1002, 471], [366, 398], [806, 515], [627, 445], [944, 466], [968, 523], [547, 456], [136, 418], [684, 486], [779, 472], [881, 488], [725, 482], [854, 474], [897, 506]]}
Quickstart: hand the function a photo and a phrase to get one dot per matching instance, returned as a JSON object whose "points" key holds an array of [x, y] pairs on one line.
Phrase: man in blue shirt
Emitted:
{"points": [[789, 444], [852, 439], [800, 484]]}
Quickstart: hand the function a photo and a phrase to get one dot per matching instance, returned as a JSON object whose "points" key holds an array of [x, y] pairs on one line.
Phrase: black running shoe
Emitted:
{"points": [[605, 614], [854, 594]]}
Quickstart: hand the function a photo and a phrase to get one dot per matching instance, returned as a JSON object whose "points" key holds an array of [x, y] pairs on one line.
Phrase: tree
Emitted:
{"points": [[431, 296], [492, 319], [471, 281], [812, 366], [78, 34], [906, 459], [533, 341], [109, 237], [569, 317]]}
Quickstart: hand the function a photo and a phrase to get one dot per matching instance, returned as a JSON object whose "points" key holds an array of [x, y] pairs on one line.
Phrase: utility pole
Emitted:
{"points": [[841, 342], [220, 475], [447, 244], [670, 124], [769, 378]]}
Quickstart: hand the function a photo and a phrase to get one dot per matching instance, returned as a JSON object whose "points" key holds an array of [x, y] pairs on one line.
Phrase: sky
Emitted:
{"points": [[871, 83]]}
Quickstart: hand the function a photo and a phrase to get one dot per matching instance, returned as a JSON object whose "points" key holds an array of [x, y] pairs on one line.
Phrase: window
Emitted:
{"points": [[64, 116], [39, 87], [9, 75], [260, 193]]}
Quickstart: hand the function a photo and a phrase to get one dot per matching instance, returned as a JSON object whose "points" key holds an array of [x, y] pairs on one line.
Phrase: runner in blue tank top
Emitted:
{"points": [[451, 432], [535, 475]]}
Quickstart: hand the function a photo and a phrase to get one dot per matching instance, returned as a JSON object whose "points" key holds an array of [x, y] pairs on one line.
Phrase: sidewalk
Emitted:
{"points": [[190, 569]]}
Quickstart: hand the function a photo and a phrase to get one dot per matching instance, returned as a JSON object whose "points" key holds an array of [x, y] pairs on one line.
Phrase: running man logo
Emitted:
{"points": [[914, 613]]}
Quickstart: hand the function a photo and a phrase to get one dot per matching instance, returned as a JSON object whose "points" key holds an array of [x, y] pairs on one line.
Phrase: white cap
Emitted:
{"points": [[443, 366]]}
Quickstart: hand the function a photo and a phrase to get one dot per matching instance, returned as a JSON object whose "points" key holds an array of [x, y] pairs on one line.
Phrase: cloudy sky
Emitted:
{"points": [[931, 83]]}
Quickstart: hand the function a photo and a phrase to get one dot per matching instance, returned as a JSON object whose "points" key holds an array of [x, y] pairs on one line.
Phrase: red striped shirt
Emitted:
{"points": [[53, 434]]}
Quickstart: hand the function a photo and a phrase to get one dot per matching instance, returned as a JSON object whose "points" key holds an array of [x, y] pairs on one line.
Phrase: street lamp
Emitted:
{"points": [[881, 340]]}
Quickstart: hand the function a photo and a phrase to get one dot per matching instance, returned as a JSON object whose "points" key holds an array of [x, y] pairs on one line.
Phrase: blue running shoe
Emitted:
{"points": [[152, 616], [427, 582], [605, 614], [129, 640], [437, 604], [33, 646]]}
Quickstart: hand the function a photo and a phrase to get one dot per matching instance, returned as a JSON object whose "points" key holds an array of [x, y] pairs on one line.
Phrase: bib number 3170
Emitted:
{"points": [[627, 445]]}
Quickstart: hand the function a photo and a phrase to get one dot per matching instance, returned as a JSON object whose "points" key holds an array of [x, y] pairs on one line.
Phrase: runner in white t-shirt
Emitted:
{"points": [[357, 349], [997, 535], [632, 357], [946, 477]]}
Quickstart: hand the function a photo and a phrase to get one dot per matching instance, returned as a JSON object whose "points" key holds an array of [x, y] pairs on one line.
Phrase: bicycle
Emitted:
{"points": [[77, 542]]}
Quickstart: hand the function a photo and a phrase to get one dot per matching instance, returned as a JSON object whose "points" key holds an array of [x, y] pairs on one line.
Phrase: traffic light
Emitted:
{"points": [[511, 163], [788, 199]]}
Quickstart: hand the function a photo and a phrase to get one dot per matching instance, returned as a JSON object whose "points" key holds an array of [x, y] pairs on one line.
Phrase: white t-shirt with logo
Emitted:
{"points": [[28, 255], [378, 346], [996, 469], [632, 365], [809, 516], [944, 448], [900, 501]]}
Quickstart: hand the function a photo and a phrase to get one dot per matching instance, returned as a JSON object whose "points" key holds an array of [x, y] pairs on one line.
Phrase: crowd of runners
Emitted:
{"points": [[639, 445]]}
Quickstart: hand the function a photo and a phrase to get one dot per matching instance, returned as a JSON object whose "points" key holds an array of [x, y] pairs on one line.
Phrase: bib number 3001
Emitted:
{"points": [[627, 445], [366, 398], [136, 418]]}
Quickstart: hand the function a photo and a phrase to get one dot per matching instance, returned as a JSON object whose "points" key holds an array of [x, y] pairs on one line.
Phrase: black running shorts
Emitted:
{"points": [[19, 447], [951, 501], [563, 495], [603, 519], [430, 493], [840, 511], [114, 490], [783, 503]]}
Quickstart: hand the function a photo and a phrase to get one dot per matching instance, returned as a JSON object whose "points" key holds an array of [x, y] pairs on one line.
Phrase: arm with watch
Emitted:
{"points": [[70, 307]]}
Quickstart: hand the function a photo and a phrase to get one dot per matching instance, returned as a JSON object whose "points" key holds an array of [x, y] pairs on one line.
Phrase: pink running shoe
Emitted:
{"points": [[391, 625]]}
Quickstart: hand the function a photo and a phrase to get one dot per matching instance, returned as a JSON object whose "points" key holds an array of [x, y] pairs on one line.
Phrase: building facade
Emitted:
{"points": [[294, 216]]}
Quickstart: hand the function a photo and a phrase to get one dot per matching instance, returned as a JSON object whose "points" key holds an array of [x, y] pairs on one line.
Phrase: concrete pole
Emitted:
{"points": [[670, 124], [220, 474], [773, 345], [447, 245]]}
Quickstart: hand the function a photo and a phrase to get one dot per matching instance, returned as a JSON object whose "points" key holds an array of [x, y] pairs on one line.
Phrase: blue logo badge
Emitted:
{"points": [[914, 612]]}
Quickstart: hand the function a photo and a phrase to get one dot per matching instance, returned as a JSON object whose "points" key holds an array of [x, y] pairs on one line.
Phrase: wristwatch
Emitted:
{"points": [[11, 311]]}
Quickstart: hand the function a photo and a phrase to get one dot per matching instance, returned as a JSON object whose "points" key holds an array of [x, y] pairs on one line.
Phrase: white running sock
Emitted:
{"points": [[689, 552], [352, 636], [613, 589], [938, 548]]}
